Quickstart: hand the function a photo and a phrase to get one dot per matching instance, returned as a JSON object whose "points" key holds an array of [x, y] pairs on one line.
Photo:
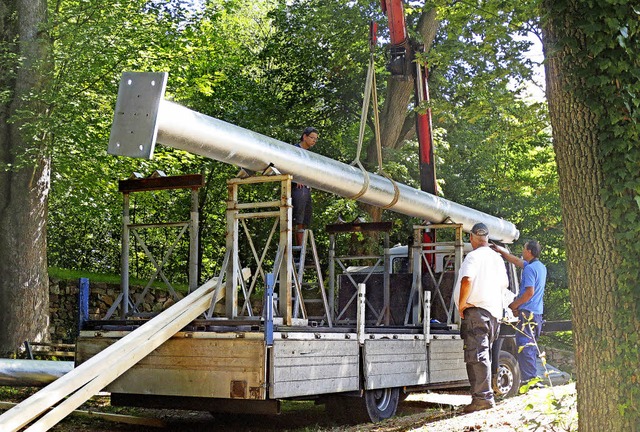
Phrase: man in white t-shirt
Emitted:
{"points": [[478, 296]]}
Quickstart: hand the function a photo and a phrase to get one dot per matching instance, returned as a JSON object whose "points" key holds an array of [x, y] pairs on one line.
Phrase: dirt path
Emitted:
{"points": [[540, 410]]}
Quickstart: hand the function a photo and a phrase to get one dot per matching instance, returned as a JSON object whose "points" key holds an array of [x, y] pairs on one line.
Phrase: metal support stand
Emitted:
{"points": [[241, 222], [155, 183], [238, 216], [382, 315], [452, 252]]}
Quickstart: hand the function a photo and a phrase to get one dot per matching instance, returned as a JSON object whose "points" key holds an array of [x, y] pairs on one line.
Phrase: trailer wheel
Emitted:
{"points": [[507, 382], [381, 404]]}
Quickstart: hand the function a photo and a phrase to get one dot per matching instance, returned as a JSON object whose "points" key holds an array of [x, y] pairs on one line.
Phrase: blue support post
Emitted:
{"points": [[83, 302], [268, 319]]}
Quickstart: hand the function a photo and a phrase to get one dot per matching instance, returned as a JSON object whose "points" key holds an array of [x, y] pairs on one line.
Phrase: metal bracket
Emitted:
{"points": [[135, 125]]}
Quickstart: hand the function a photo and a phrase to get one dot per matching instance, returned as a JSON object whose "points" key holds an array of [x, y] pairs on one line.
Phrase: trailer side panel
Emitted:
{"points": [[195, 367], [446, 362], [395, 363], [310, 367]]}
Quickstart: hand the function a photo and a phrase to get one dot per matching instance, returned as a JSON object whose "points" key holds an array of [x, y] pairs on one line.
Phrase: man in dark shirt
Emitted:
{"points": [[300, 193]]}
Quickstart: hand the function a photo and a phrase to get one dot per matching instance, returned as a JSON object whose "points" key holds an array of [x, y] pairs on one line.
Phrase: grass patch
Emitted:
{"points": [[16, 394], [288, 406], [66, 274]]}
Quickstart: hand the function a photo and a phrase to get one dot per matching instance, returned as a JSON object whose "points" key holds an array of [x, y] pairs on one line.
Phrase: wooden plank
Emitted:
{"points": [[395, 367], [190, 383], [445, 349], [454, 363], [391, 345], [118, 418], [358, 227], [315, 387], [446, 361], [397, 380], [94, 374], [196, 367], [295, 348], [259, 179], [117, 364], [209, 374], [393, 357], [447, 376], [556, 326], [316, 360], [192, 181], [328, 371]]}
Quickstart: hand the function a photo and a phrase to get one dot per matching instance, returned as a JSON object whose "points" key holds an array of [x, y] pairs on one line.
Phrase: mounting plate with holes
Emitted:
{"points": [[135, 126]]}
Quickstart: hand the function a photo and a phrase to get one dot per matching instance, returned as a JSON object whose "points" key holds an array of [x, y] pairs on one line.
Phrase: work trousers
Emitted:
{"points": [[302, 205], [479, 330], [529, 327]]}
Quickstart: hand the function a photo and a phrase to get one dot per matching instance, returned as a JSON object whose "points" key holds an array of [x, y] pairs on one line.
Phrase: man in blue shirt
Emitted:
{"points": [[528, 305]]}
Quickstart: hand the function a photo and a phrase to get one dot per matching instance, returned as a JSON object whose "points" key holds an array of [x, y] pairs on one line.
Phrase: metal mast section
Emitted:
{"points": [[142, 117]]}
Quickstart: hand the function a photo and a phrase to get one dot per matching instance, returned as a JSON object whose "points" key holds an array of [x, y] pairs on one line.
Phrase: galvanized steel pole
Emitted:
{"points": [[35, 373], [142, 116]]}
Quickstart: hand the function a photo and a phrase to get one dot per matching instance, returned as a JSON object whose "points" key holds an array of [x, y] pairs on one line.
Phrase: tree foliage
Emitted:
{"points": [[275, 67]]}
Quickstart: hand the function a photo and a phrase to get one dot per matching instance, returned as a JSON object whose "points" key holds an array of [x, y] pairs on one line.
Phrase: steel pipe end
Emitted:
{"points": [[135, 125]]}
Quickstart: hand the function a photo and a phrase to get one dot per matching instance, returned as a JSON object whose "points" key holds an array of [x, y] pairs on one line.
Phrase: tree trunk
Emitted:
{"points": [[592, 250], [24, 177]]}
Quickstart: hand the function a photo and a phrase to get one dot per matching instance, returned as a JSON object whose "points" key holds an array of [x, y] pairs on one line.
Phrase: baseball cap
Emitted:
{"points": [[480, 229]]}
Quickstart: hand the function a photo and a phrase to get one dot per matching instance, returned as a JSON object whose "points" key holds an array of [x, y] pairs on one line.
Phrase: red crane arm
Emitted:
{"points": [[401, 63], [397, 26]]}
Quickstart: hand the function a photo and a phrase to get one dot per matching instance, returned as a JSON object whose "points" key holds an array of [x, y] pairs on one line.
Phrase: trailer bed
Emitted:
{"points": [[302, 362]]}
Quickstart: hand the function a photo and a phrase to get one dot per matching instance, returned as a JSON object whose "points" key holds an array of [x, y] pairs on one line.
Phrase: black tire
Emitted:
{"points": [[380, 404], [507, 381]]}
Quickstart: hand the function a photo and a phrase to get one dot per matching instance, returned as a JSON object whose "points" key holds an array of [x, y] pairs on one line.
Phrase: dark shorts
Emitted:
{"points": [[301, 202]]}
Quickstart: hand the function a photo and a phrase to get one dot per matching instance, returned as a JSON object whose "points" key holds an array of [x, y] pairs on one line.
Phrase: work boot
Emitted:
{"points": [[478, 405]]}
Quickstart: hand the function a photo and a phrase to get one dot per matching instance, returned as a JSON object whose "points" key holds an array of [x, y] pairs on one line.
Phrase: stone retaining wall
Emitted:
{"points": [[63, 305]]}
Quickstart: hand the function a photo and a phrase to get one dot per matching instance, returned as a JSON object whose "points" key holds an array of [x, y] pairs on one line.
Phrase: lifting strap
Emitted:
{"points": [[370, 92]]}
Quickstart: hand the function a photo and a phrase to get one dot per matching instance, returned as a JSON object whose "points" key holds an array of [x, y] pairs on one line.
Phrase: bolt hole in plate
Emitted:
{"points": [[135, 127]]}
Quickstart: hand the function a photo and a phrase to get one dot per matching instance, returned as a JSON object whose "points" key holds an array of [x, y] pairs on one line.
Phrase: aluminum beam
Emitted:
{"points": [[35, 373], [143, 116]]}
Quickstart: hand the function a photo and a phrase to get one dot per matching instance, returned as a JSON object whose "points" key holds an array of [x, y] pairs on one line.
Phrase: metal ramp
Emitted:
{"points": [[70, 391]]}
